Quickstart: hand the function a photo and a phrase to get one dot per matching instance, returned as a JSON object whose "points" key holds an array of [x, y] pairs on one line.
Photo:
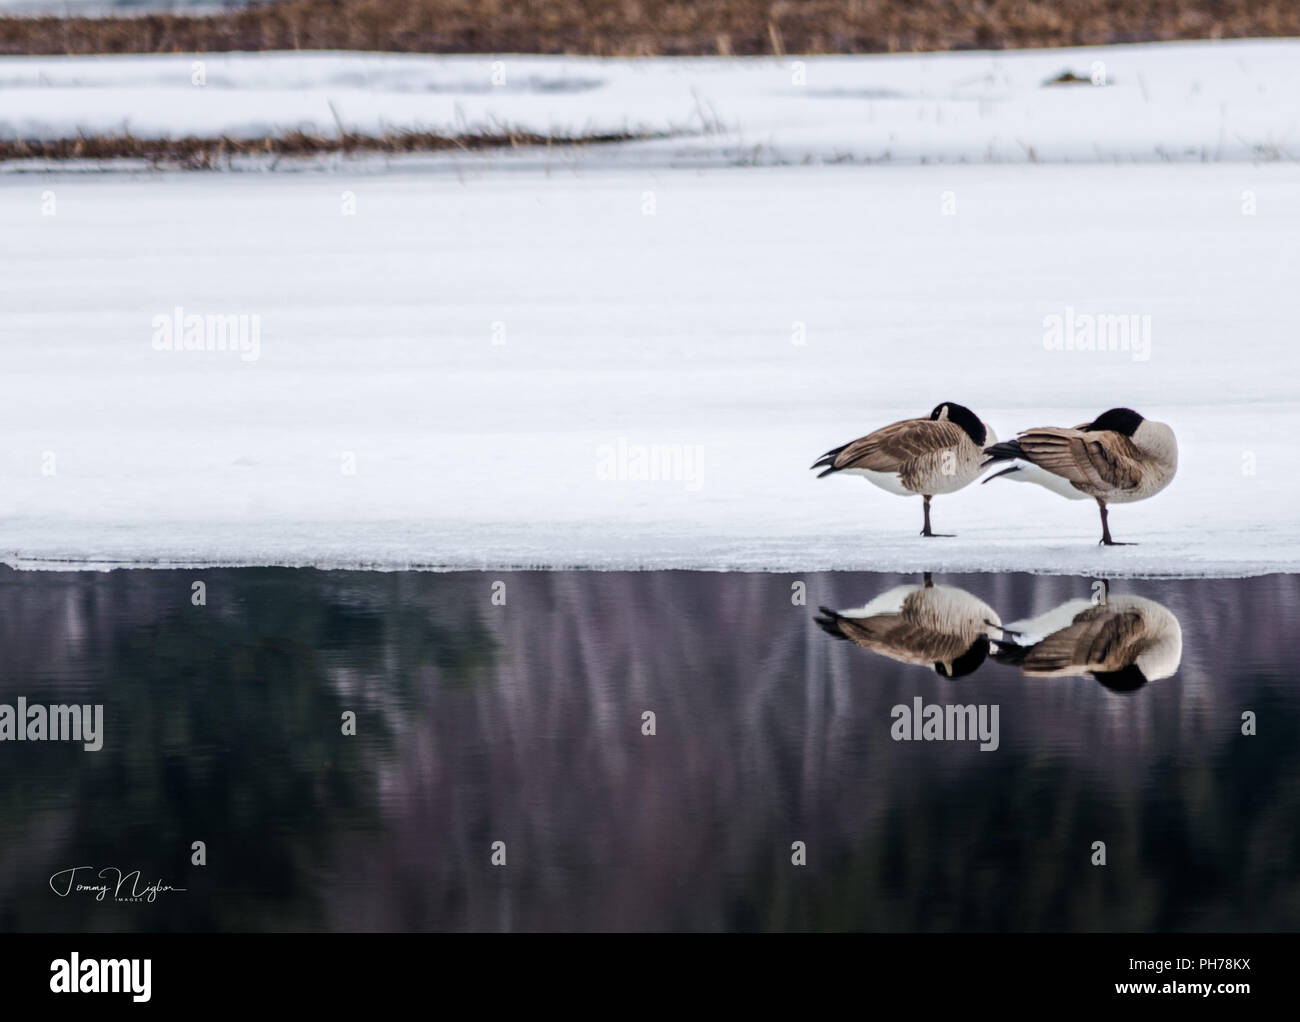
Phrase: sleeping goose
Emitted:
{"points": [[1123, 643], [917, 457], [929, 625], [1117, 458]]}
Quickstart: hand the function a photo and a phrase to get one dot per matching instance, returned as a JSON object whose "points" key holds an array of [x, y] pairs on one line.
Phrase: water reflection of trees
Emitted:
{"points": [[768, 732], [522, 723], [223, 724]]}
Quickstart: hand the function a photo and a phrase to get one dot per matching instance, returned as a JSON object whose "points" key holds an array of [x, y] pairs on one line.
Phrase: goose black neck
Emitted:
{"points": [[965, 418]]}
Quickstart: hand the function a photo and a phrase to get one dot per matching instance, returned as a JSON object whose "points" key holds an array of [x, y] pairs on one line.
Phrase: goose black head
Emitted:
{"points": [[967, 663], [964, 418], [1118, 420], [1126, 679]]}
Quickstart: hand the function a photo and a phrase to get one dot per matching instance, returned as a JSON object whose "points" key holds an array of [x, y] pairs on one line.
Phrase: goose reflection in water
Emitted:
{"points": [[928, 625], [1123, 642]]}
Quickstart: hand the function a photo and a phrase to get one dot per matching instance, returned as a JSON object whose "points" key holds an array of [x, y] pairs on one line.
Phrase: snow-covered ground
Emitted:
{"points": [[462, 372], [1172, 101], [462, 360]]}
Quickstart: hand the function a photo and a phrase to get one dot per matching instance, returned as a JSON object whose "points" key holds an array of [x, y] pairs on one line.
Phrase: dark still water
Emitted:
{"points": [[522, 723]]}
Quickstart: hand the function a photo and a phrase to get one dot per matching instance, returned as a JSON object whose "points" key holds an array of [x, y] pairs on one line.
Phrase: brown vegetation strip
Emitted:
{"points": [[646, 27], [206, 153]]}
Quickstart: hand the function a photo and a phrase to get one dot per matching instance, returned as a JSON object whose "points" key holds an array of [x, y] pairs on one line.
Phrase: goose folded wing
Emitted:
{"points": [[895, 636], [893, 448], [1103, 460], [1097, 640], [867, 632]]}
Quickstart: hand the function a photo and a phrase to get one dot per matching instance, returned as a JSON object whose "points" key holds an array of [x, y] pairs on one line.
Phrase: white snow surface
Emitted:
{"points": [[487, 340], [616, 327], [1171, 101]]}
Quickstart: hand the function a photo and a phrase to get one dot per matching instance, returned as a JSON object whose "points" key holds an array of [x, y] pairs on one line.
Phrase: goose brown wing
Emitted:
{"points": [[1098, 639], [1101, 460], [900, 638], [894, 447]]}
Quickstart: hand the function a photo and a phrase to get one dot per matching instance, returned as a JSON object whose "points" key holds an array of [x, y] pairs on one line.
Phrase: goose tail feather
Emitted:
{"points": [[829, 622], [828, 460], [1008, 450]]}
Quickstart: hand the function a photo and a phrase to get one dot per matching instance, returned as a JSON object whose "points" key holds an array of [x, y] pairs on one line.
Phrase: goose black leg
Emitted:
{"points": [[926, 531], [1105, 529]]}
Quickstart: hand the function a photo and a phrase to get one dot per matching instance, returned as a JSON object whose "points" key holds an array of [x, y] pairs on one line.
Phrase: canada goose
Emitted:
{"points": [[925, 457], [1123, 643], [942, 627], [1117, 458]]}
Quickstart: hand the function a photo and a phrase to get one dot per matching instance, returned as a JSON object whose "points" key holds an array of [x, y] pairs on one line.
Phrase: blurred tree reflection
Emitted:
{"points": [[222, 725]]}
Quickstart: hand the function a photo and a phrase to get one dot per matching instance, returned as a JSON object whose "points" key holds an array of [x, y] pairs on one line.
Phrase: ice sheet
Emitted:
{"points": [[479, 346]]}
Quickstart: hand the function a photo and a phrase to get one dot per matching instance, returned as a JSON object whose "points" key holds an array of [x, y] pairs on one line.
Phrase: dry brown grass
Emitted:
{"points": [[645, 27], [210, 153]]}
